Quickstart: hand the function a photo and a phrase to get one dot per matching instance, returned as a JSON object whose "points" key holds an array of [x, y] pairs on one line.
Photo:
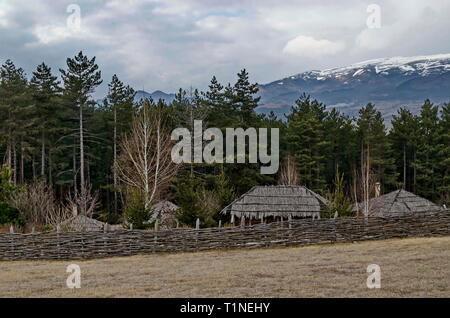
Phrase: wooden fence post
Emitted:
{"points": [[58, 230], [178, 224], [220, 224], [242, 221], [290, 227], [156, 232], [197, 228], [105, 238], [232, 219], [11, 231]]}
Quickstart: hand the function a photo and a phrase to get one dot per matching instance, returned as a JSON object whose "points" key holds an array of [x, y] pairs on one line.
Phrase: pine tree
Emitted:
{"points": [[340, 146], [444, 154], [404, 136], [244, 99], [375, 146], [80, 80], [428, 151], [305, 136], [119, 103], [15, 107], [45, 91]]}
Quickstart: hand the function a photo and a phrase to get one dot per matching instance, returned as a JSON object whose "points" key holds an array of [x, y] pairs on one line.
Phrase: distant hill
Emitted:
{"points": [[156, 95], [389, 83]]}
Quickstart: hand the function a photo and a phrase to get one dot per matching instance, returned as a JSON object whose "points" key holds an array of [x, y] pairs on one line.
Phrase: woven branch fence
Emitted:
{"points": [[89, 245]]}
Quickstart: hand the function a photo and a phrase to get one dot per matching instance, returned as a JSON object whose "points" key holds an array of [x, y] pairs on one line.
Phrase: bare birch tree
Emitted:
{"points": [[288, 173], [363, 183], [145, 164]]}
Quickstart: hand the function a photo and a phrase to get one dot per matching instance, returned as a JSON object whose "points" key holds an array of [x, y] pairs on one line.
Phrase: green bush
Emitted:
{"points": [[9, 215], [137, 215]]}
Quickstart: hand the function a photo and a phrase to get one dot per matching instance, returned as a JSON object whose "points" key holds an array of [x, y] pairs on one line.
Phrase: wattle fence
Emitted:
{"points": [[89, 245]]}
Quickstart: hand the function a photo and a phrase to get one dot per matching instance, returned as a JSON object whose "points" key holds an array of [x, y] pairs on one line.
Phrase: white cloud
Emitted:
{"points": [[47, 34], [310, 47], [4, 8]]}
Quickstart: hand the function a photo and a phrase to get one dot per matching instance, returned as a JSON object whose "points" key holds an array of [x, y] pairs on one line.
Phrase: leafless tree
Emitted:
{"points": [[83, 202], [35, 201], [364, 183], [288, 173], [38, 203], [145, 164]]}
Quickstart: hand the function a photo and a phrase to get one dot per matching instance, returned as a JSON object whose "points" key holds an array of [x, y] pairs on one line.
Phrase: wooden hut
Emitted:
{"points": [[273, 202], [164, 211], [82, 223], [399, 203]]}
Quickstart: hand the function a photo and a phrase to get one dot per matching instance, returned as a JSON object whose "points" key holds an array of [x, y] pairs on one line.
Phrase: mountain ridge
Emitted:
{"points": [[389, 83]]}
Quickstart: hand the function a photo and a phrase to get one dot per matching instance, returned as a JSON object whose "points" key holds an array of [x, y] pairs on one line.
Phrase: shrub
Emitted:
{"points": [[10, 215], [136, 214]]}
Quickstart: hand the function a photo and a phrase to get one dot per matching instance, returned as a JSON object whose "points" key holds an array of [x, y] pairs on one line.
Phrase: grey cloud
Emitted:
{"points": [[170, 44]]}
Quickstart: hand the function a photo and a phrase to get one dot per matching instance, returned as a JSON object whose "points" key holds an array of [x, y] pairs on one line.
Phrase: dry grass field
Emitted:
{"points": [[409, 268]]}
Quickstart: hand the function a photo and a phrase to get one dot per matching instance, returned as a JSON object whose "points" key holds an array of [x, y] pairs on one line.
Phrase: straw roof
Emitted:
{"points": [[164, 211], [285, 201], [399, 203], [83, 223], [164, 206]]}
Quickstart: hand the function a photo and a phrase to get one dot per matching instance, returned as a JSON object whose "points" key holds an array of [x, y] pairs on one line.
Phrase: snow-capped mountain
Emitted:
{"points": [[389, 83]]}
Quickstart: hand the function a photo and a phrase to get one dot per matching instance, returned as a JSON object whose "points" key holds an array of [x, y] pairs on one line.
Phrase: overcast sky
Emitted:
{"points": [[155, 44]]}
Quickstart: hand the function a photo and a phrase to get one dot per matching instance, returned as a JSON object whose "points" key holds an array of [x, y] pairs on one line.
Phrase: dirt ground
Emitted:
{"points": [[409, 268]]}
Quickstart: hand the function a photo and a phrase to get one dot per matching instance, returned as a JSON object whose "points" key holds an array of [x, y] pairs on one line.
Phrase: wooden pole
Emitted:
{"points": [[197, 224]]}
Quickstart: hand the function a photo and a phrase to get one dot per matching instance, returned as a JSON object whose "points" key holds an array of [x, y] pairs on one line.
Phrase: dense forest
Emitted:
{"points": [[60, 146]]}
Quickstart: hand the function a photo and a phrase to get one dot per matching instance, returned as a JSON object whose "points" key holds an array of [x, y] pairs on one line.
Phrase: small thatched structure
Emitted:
{"points": [[82, 223], [277, 201], [164, 211], [399, 203]]}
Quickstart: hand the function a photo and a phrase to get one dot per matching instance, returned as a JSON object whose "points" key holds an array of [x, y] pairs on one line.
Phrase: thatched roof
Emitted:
{"points": [[164, 206], [285, 201], [83, 223], [164, 211], [399, 203]]}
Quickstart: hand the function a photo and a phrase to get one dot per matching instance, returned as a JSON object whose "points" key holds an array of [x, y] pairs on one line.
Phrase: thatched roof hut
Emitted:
{"points": [[82, 223], [399, 203], [277, 201], [164, 211]]}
